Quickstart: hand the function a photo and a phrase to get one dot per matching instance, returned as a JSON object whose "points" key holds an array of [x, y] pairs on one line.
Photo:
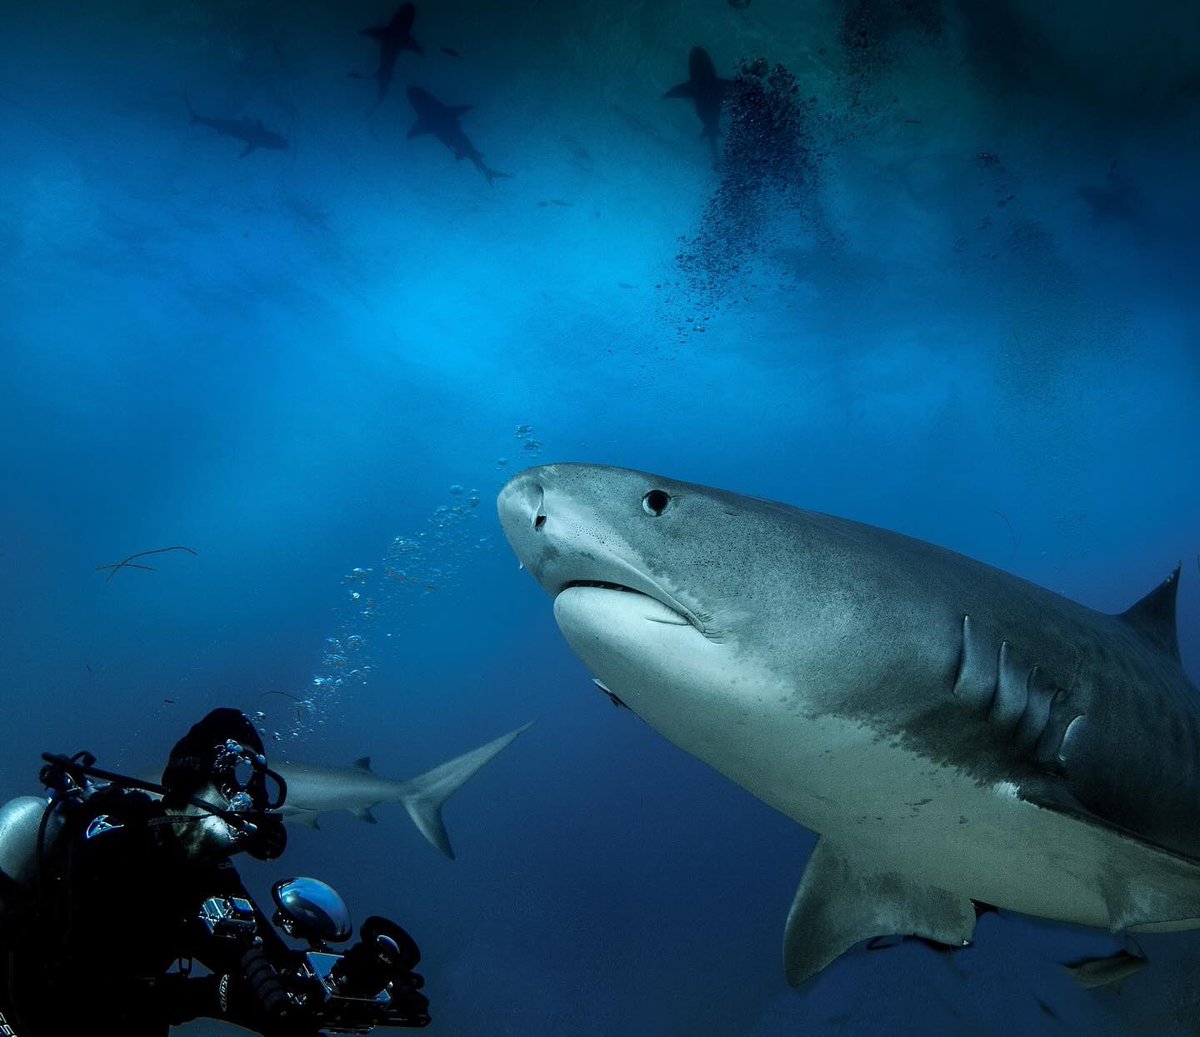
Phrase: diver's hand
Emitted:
{"points": [[410, 1006], [262, 982], [257, 998], [268, 840]]}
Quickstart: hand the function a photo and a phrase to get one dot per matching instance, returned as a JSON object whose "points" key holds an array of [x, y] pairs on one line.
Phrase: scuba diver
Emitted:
{"points": [[111, 897]]}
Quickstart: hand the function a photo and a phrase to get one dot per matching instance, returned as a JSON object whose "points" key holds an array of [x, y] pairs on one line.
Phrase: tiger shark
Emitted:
{"points": [[957, 736]]}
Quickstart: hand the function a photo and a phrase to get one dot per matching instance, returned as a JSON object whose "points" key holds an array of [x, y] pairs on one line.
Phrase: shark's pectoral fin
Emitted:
{"points": [[682, 90], [364, 814], [419, 127], [843, 901], [246, 150]]}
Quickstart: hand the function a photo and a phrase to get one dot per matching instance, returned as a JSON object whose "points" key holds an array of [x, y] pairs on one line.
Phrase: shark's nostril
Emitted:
{"points": [[539, 516]]}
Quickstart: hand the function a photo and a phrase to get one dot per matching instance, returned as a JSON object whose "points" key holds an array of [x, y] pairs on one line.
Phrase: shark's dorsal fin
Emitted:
{"points": [[1154, 616], [845, 898], [363, 763]]}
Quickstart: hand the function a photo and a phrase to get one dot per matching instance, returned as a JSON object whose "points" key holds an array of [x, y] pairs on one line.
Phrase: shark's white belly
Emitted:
{"points": [[894, 810]]}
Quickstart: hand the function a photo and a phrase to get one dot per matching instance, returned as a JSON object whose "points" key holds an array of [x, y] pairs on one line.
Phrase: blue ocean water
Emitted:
{"points": [[939, 275]]}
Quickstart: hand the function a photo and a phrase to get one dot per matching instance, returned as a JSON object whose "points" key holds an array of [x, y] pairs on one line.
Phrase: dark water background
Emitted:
{"points": [[951, 290]]}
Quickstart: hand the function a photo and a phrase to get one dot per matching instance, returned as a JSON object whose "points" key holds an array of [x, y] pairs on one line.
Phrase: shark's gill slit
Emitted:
{"points": [[962, 654]]}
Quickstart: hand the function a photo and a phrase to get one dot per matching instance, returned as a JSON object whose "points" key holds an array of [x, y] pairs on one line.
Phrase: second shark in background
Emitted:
{"points": [[441, 121], [315, 790]]}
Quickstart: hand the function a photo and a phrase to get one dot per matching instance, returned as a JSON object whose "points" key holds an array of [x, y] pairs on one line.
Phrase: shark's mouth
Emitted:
{"points": [[603, 585], [673, 613]]}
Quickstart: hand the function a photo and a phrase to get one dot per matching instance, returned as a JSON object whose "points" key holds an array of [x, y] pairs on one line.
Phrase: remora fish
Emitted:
{"points": [[441, 121], [250, 132], [314, 790], [1111, 971], [952, 732]]}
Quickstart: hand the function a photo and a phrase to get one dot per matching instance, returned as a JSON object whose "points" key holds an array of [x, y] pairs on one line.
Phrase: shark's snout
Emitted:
{"points": [[577, 525], [523, 512], [521, 500]]}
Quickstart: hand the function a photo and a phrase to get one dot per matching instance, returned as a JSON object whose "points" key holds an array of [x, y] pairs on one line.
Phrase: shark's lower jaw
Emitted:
{"points": [[640, 649], [656, 611]]}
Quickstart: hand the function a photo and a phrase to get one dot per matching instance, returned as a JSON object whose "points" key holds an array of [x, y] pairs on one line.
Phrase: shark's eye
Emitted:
{"points": [[655, 502]]}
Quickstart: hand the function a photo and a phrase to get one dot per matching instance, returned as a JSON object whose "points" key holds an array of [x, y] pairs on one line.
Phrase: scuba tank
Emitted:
{"points": [[20, 820]]}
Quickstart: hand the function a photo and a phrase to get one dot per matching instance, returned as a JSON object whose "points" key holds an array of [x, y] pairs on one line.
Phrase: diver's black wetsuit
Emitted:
{"points": [[118, 905]]}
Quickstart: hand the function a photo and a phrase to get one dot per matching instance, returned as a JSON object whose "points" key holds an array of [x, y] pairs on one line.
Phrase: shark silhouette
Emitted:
{"points": [[706, 90], [313, 790], [250, 131], [441, 121], [392, 38]]}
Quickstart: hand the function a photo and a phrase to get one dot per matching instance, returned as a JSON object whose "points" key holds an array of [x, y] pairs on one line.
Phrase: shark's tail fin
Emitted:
{"points": [[424, 795]]}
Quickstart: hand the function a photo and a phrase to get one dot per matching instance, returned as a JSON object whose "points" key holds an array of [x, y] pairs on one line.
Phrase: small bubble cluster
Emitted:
{"points": [[767, 169], [423, 563], [529, 444]]}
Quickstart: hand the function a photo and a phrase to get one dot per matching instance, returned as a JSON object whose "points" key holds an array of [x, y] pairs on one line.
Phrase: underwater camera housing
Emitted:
{"points": [[371, 983], [229, 916]]}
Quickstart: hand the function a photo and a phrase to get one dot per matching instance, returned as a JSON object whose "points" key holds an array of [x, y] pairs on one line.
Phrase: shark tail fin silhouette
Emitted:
{"points": [[424, 795]]}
